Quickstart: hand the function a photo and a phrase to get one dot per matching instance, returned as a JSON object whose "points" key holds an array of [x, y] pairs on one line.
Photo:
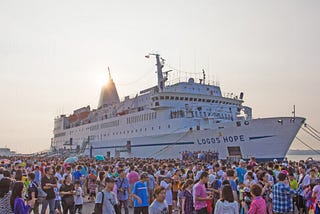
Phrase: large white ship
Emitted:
{"points": [[167, 119]]}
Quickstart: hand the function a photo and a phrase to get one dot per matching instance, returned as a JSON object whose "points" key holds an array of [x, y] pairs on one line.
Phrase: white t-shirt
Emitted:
{"points": [[304, 182], [168, 192], [78, 197]]}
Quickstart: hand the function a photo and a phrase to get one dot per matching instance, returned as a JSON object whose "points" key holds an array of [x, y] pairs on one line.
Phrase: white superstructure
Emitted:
{"points": [[165, 120]]}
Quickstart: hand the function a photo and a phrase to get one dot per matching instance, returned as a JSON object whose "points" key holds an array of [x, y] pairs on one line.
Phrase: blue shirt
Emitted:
{"points": [[240, 174], [123, 184], [140, 189], [77, 175]]}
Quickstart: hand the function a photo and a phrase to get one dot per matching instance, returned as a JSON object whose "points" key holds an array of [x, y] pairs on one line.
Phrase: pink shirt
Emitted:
{"points": [[258, 206], [133, 177], [199, 191], [316, 189]]}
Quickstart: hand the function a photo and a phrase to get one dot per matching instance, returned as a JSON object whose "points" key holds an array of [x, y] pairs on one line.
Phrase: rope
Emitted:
{"points": [[308, 146], [311, 134], [312, 128]]}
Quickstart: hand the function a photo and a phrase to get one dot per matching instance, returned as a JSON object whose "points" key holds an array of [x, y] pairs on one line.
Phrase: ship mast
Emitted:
{"points": [[159, 64]]}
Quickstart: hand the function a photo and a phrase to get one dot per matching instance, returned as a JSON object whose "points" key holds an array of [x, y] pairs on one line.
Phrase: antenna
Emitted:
{"points": [[204, 76], [294, 111]]}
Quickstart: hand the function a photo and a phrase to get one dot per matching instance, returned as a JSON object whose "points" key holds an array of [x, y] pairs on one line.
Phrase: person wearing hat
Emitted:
{"points": [[140, 195], [109, 198], [166, 183]]}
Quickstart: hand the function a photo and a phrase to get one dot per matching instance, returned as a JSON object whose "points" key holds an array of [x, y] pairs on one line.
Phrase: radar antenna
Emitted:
{"points": [[159, 63]]}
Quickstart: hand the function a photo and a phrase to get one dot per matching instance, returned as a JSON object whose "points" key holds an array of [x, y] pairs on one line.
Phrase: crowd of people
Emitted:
{"points": [[189, 186]]}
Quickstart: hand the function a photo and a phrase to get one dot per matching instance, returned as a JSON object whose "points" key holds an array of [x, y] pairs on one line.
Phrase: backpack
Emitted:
{"points": [[98, 206]]}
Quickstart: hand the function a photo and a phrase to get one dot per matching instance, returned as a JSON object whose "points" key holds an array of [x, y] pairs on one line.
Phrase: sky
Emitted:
{"points": [[54, 56]]}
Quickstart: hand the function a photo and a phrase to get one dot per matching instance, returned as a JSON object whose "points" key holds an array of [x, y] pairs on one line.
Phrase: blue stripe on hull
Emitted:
{"points": [[260, 137]]}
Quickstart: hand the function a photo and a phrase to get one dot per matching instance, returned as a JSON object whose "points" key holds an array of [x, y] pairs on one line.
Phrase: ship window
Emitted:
{"points": [[159, 127], [181, 98], [177, 98], [161, 97], [131, 131], [186, 98], [145, 129], [171, 98], [113, 133], [136, 130], [191, 99], [168, 126], [128, 132], [140, 130], [157, 104], [156, 98], [167, 97], [152, 128], [208, 101]]}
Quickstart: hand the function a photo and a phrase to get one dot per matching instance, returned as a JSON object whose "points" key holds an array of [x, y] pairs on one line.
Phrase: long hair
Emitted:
{"points": [[227, 193], [16, 192], [18, 175], [4, 186]]}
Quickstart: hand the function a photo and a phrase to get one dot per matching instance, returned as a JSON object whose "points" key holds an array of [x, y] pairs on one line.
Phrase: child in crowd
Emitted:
{"points": [[78, 197], [57, 206]]}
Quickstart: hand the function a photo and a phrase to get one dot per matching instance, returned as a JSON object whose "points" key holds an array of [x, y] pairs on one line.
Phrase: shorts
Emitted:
{"points": [[175, 196]]}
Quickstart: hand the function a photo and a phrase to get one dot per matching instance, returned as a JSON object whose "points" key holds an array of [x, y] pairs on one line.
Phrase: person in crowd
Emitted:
{"points": [[78, 199], [67, 192], [304, 181], [167, 184], [226, 204], [109, 198], [101, 180], [266, 189], [159, 205], [241, 171], [200, 194], [17, 202], [92, 185], [57, 206], [151, 184], [258, 204], [187, 197], [33, 193], [5, 195], [140, 195], [123, 190], [282, 201], [48, 183], [316, 195]]}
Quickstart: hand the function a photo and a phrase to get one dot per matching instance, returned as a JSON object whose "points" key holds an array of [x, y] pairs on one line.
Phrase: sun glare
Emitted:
{"points": [[102, 78]]}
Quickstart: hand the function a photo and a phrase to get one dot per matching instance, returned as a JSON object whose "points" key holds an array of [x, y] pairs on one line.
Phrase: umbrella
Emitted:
{"points": [[71, 160], [100, 158]]}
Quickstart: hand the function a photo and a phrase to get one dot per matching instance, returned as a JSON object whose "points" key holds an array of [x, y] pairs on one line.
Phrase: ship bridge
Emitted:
{"points": [[191, 87]]}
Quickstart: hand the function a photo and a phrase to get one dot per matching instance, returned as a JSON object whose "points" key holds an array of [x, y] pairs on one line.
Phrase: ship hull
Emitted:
{"points": [[266, 138]]}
